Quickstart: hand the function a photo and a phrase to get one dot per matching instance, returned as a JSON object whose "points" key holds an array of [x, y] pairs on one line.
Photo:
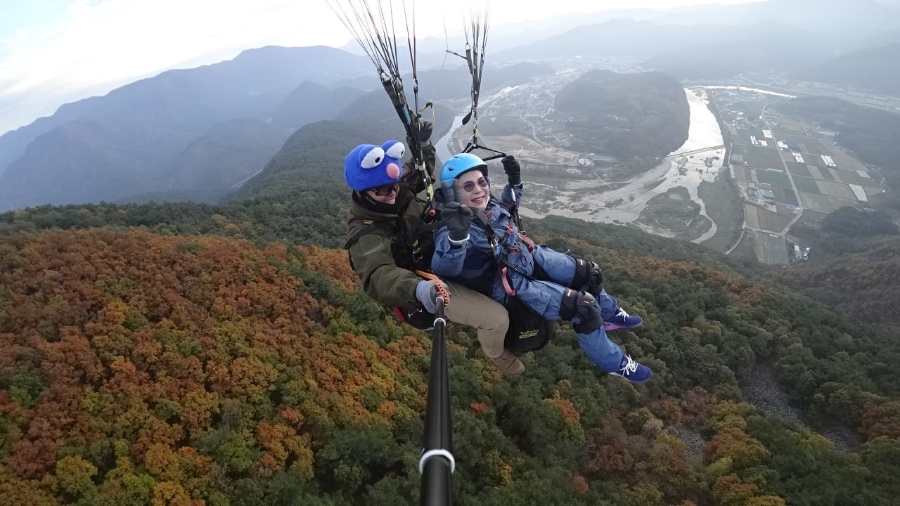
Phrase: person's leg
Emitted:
{"points": [[581, 275], [603, 352], [608, 304], [576, 274], [584, 312], [607, 355], [555, 302], [559, 267], [543, 297], [491, 321], [614, 317]]}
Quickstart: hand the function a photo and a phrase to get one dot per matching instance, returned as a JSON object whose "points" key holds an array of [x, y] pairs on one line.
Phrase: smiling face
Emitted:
{"points": [[472, 190], [386, 194]]}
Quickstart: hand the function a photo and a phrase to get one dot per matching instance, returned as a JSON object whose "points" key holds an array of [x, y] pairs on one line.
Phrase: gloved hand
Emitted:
{"points": [[458, 219], [423, 131], [512, 169], [426, 292]]}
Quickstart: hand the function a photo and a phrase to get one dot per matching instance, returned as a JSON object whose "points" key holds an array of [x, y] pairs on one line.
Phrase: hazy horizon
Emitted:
{"points": [[59, 51]]}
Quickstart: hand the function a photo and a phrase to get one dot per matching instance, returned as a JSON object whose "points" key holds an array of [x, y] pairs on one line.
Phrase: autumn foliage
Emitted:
{"points": [[143, 368]]}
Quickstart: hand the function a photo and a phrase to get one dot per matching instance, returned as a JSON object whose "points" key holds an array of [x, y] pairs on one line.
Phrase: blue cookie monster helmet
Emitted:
{"points": [[368, 166], [456, 166]]}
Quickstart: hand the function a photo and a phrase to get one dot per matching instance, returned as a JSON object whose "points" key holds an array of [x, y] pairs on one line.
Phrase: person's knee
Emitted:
{"points": [[496, 319], [588, 277], [580, 305]]}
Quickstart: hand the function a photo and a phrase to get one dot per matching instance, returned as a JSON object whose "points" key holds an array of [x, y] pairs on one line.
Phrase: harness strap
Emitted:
{"points": [[510, 291], [527, 240]]}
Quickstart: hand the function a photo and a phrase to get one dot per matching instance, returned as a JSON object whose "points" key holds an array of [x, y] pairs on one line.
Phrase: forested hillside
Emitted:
{"points": [[201, 369], [625, 115], [855, 266], [200, 354]]}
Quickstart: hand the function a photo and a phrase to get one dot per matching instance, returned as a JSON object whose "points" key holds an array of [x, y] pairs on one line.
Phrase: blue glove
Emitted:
{"points": [[426, 292]]}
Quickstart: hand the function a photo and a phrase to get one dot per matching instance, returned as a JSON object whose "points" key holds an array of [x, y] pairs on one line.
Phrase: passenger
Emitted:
{"points": [[481, 247]]}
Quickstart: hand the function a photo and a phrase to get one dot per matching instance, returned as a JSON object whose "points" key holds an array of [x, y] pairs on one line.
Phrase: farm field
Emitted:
{"points": [[799, 174]]}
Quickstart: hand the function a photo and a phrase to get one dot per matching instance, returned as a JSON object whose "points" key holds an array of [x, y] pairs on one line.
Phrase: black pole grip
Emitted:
{"points": [[437, 463]]}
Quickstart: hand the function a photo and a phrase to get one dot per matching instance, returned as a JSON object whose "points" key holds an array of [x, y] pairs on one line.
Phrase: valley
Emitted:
{"points": [[786, 169]]}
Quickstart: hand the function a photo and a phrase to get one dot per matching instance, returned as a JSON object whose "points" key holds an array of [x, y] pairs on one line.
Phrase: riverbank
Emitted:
{"points": [[697, 161]]}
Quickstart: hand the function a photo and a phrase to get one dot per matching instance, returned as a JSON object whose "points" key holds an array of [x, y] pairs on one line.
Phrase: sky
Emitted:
{"points": [[58, 51]]}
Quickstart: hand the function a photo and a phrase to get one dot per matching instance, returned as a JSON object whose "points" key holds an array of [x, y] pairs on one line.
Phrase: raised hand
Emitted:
{"points": [[458, 219], [512, 170]]}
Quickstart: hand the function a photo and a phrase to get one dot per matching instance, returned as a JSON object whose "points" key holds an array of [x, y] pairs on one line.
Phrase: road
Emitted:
{"points": [[790, 176], [533, 128]]}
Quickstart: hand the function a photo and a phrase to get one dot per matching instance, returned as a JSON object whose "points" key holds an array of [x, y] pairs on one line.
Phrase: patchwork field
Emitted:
{"points": [[806, 144], [769, 249], [761, 158], [798, 169], [837, 190], [806, 185], [816, 202], [790, 197], [778, 179], [764, 219]]}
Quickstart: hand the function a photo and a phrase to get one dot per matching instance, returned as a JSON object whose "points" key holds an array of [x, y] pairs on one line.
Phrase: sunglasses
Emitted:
{"points": [[469, 186], [385, 189]]}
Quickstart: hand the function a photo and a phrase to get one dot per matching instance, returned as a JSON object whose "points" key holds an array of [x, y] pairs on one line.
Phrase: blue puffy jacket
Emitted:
{"points": [[475, 263]]}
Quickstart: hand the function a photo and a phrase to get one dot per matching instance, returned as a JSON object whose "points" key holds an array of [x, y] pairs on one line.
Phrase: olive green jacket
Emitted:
{"points": [[381, 244]]}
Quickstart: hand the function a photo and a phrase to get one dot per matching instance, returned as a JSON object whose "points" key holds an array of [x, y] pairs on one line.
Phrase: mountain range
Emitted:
{"points": [[146, 136], [875, 68], [199, 133]]}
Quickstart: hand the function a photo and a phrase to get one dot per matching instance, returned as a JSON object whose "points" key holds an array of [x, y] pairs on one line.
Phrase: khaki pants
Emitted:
{"points": [[490, 319]]}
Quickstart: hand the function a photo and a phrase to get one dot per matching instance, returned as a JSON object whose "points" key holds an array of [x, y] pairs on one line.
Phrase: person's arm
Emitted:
{"points": [[416, 179], [382, 279], [507, 196], [429, 153], [512, 193], [448, 259], [451, 242]]}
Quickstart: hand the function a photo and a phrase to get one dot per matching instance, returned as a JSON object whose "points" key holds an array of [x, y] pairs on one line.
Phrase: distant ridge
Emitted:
{"points": [[876, 69], [133, 139]]}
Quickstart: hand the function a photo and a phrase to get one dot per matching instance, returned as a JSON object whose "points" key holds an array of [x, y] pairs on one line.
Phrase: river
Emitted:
{"points": [[684, 167], [704, 141], [744, 88], [442, 147]]}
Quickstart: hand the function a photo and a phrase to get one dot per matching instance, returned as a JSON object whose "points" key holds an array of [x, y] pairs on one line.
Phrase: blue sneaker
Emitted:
{"points": [[633, 371], [622, 320]]}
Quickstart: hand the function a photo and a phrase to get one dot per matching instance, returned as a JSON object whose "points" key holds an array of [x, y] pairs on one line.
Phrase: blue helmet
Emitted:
{"points": [[456, 166]]}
